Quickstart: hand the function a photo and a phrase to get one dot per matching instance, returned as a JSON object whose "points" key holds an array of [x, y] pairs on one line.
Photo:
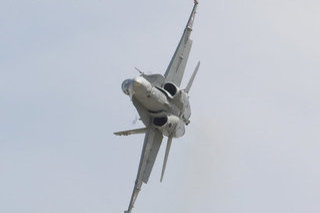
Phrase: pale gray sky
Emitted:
{"points": [[253, 143]]}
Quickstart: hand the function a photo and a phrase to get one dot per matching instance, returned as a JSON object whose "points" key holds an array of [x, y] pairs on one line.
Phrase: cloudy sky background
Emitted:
{"points": [[253, 143]]}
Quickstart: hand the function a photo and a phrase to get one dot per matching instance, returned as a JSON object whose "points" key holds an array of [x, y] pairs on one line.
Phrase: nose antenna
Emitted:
{"points": [[142, 73]]}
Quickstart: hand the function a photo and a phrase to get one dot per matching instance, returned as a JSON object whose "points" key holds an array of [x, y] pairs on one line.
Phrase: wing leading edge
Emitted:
{"points": [[177, 65], [151, 145]]}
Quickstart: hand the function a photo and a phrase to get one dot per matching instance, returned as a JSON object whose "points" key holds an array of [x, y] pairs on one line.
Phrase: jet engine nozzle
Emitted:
{"points": [[171, 88], [170, 125]]}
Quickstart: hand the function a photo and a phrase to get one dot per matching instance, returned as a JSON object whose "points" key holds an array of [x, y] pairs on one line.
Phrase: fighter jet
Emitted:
{"points": [[163, 107]]}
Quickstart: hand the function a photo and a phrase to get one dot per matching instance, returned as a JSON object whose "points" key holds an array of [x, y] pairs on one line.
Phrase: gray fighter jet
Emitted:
{"points": [[163, 107]]}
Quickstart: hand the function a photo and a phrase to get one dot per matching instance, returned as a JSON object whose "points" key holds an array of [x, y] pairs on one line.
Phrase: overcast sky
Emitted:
{"points": [[253, 143]]}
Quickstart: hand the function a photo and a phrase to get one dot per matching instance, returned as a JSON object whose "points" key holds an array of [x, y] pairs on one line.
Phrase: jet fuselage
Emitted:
{"points": [[167, 105]]}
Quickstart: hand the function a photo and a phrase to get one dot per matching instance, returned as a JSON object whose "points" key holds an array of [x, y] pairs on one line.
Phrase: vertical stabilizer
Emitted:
{"points": [[166, 157], [187, 89]]}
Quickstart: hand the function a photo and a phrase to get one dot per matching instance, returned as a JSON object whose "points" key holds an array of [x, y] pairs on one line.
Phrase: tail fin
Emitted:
{"points": [[187, 89], [130, 132], [166, 157]]}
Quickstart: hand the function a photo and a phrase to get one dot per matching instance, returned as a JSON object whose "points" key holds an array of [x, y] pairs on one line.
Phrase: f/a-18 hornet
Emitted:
{"points": [[162, 106]]}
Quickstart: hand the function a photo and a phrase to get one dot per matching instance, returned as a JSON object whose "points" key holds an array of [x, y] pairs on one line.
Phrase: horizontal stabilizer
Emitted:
{"points": [[131, 132]]}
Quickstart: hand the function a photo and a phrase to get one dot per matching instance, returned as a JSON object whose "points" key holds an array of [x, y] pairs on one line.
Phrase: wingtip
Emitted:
{"points": [[118, 133], [196, 2]]}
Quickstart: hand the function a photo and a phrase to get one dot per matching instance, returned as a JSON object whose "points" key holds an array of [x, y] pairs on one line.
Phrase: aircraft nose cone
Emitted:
{"points": [[127, 86], [135, 86]]}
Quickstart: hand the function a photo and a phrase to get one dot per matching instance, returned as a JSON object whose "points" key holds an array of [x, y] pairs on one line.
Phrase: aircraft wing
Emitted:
{"points": [[177, 65], [151, 145]]}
